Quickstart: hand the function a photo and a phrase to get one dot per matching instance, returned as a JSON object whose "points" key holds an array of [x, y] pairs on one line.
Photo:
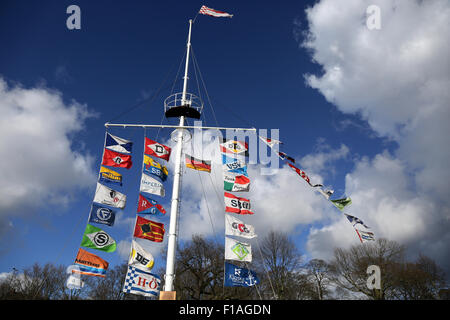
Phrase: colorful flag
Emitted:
{"points": [[236, 250], [150, 230], [110, 197], [235, 227], [102, 215], [235, 183], [154, 168], [156, 149], [233, 165], [214, 13], [90, 264], [109, 176], [115, 159], [197, 164], [151, 185], [302, 174], [141, 282], [284, 156], [365, 235], [326, 193], [139, 257], [118, 144], [239, 277], [271, 142], [234, 147], [342, 203], [236, 205], [355, 220], [148, 205], [96, 238]]}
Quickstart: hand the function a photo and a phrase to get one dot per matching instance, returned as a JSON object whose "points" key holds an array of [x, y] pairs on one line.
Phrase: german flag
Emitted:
{"points": [[150, 230], [197, 164]]}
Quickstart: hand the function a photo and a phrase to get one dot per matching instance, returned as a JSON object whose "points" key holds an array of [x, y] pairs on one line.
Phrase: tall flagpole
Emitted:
{"points": [[172, 245]]}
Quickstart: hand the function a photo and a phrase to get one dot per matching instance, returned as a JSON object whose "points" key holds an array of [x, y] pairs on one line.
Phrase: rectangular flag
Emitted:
{"points": [[235, 227], [141, 282], [354, 220], [150, 230], [118, 144], [236, 250], [365, 235], [154, 168], [102, 215], [96, 238], [236, 205], [115, 159], [235, 183], [233, 165], [239, 277], [284, 156], [326, 193], [270, 142], [109, 176], [90, 264], [197, 164], [302, 174], [148, 205], [214, 13], [156, 149], [234, 147], [139, 257], [110, 197], [151, 185], [342, 203]]}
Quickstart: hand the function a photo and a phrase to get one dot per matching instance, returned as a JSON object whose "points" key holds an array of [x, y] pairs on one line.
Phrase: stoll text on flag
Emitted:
{"points": [[141, 282], [214, 13], [110, 197], [118, 144], [90, 264], [150, 230], [239, 277], [116, 159]]}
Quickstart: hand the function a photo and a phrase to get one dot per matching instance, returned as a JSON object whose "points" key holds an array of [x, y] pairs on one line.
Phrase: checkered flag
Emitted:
{"points": [[141, 282]]}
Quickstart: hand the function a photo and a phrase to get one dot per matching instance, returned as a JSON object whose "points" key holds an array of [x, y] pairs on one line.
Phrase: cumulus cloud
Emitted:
{"points": [[397, 79], [41, 165]]}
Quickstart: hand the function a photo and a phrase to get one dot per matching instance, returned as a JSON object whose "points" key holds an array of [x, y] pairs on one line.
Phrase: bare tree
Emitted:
{"points": [[319, 277]]}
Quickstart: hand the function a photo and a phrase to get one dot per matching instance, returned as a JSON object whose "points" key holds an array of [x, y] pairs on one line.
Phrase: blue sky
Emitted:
{"points": [[255, 65]]}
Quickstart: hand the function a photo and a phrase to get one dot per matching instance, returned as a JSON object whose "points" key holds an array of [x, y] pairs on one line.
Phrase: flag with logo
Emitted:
{"points": [[110, 197], [236, 204], [154, 168], [214, 13], [109, 176], [354, 220], [239, 277], [235, 227], [150, 230], [365, 235], [141, 282], [235, 183], [156, 149], [151, 185], [234, 165], [237, 250], [115, 159], [234, 147], [342, 203], [96, 238], [197, 164], [90, 264], [148, 205], [139, 257], [118, 144], [102, 215]]}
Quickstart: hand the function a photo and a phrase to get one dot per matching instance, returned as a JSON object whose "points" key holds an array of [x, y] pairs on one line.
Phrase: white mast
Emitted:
{"points": [[172, 245]]}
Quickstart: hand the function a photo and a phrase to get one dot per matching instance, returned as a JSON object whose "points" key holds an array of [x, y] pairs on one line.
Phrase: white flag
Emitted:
{"points": [[139, 281], [236, 250], [150, 185], [139, 257], [110, 197], [235, 227]]}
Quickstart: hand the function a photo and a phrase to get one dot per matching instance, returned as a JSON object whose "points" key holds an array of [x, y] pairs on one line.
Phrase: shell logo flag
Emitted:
{"points": [[90, 264], [150, 230], [236, 205], [156, 149]]}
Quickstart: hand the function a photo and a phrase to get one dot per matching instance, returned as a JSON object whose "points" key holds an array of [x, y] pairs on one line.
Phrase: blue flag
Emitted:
{"points": [[234, 165], [239, 277], [118, 144], [102, 215]]}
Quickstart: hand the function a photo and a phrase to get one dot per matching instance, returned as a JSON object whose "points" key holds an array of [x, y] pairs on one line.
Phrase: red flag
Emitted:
{"points": [[116, 159], [156, 149], [147, 205], [150, 230], [236, 204], [304, 176]]}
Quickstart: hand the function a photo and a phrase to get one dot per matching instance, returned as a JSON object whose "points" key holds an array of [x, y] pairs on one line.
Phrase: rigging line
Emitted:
{"points": [[256, 285]]}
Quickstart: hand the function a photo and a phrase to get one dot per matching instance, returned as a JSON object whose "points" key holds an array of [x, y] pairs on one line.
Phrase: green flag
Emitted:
{"points": [[342, 203], [96, 238]]}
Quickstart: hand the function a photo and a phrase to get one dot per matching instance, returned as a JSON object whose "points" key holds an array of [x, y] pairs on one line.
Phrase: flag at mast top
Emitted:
{"points": [[215, 13]]}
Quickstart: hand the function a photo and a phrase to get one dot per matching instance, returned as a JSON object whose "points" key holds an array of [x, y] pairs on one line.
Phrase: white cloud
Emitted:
{"points": [[40, 164]]}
